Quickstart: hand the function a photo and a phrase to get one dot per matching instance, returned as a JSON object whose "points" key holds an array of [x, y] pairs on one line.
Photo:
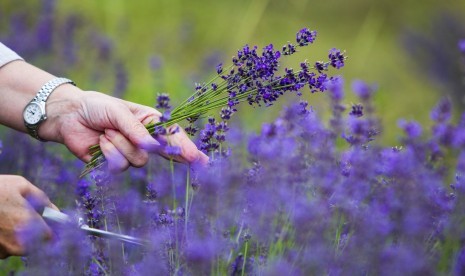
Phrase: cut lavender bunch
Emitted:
{"points": [[252, 78]]}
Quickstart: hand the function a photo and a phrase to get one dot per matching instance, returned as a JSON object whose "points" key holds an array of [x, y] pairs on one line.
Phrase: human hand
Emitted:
{"points": [[16, 213], [81, 119]]}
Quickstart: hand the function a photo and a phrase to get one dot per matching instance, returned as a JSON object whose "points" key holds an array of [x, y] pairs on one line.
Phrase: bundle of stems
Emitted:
{"points": [[251, 78]]}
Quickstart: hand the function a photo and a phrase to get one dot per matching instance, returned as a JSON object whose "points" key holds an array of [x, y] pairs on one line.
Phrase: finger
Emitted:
{"points": [[189, 151], [203, 159], [136, 157], [37, 223], [132, 128], [53, 206], [200, 160], [142, 111], [30, 230], [149, 119], [116, 161], [36, 198]]}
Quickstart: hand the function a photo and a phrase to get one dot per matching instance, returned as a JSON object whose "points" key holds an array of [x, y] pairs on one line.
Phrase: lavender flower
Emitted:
{"points": [[305, 36], [337, 58], [357, 110], [442, 112], [412, 129], [253, 78], [163, 102], [363, 90]]}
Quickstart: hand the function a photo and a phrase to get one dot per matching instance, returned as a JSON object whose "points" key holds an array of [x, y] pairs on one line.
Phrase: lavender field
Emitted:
{"points": [[315, 190]]}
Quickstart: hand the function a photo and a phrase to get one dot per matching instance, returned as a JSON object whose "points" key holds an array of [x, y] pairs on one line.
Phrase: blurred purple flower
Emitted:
{"points": [[442, 111], [461, 45], [438, 46], [173, 150], [411, 128], [362, 89], [156, 62], [121, 80]]}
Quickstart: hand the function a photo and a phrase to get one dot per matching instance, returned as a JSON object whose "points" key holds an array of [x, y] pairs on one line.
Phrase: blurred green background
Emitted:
{"points": [[186, 39]]}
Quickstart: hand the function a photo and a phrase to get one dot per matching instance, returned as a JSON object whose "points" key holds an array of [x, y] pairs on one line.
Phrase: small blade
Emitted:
{"points": [[55, 216], [61, 218], [111, 235]]}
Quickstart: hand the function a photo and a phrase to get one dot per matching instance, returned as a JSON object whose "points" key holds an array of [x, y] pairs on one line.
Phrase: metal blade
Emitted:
{"points": [[111, 235], [61, 218], [55, 216]]}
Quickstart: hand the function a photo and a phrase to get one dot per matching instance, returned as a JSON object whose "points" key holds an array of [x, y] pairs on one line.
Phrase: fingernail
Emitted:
{"points": [[110, 133], [149, 143]]}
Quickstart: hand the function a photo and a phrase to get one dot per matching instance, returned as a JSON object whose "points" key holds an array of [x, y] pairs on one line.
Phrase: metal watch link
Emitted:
{"points": [[35, 113]]}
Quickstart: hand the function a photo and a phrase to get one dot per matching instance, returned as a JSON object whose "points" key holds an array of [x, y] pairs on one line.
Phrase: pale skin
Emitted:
{"points": [[78, 119]]}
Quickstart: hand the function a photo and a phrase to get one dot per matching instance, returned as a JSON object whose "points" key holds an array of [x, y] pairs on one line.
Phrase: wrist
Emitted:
{"points": [[63, 103]]}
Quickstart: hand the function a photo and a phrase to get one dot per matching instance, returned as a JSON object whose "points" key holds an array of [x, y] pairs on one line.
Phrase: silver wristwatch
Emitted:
{"points": [[35, 113]]}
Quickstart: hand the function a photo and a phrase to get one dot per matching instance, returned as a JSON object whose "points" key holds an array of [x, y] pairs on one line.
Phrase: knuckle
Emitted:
{"points": [[20, 180], [139, 158], [21, 183], [191, 156], [138, 127], [15, 249], [138, 131]]}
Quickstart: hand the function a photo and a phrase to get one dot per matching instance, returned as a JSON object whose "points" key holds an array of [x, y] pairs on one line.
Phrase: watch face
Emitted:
{"points": [[32, 114]]}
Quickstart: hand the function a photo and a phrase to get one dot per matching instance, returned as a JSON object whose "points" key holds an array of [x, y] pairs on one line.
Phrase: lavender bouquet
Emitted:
{"points": [[252, 78]]}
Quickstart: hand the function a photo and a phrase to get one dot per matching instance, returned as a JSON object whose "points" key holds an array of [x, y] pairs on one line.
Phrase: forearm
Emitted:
{"points": [[19, 83]]}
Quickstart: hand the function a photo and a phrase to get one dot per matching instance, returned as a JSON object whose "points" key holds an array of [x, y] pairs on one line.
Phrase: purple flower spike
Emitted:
{"points": [[288, 49], [163, 101], [321, 66], [219, 68], [336, 58], [305, 36], [357, 110]]}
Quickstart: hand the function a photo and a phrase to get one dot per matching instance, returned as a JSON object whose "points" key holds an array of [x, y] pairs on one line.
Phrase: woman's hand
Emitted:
{"points": [[16, 212], [80, 119]]}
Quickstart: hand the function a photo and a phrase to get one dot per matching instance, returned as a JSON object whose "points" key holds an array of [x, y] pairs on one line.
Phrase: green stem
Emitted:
{"points": [[186, 201], [245, 257], [119, 229], [205, 85], [173, 185], [99, 265]]}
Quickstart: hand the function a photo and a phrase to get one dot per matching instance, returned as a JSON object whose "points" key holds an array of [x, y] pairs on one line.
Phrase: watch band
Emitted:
{"points": [[34, 132], [41, 97], [48, 88]]}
